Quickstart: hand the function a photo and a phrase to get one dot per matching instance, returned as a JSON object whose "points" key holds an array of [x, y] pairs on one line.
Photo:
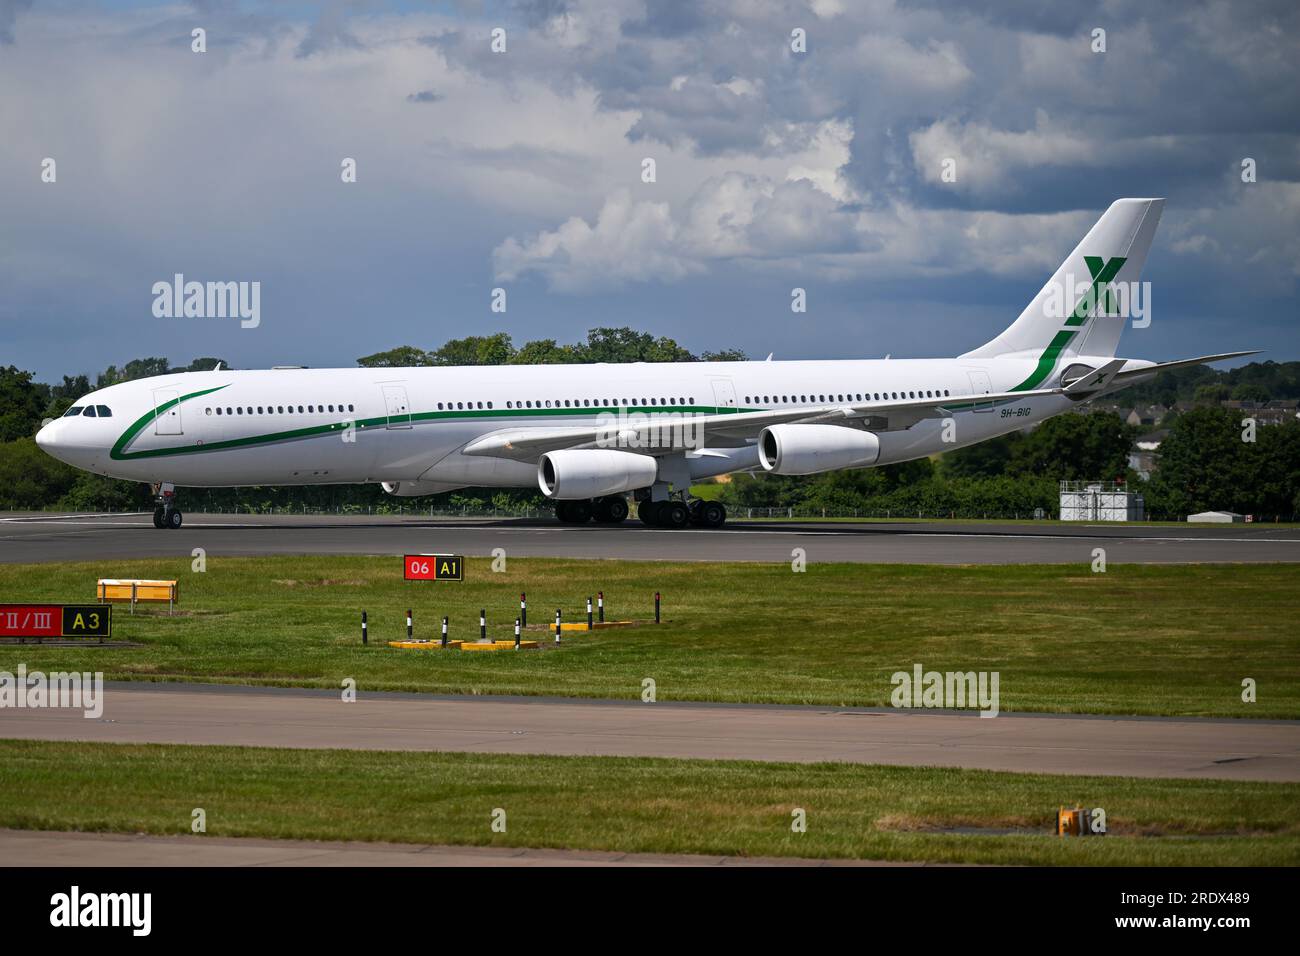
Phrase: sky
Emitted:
{"points": [[523, 170]]}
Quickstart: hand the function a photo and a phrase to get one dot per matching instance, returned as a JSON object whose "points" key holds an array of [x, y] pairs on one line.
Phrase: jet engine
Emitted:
{"points": [[413, 489], [572, 474], [809, 449]]}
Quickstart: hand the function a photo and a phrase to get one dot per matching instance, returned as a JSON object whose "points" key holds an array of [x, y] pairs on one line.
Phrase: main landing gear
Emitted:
{"points": [[677, 514], [666, 513], [611, 509], [165, 512]]}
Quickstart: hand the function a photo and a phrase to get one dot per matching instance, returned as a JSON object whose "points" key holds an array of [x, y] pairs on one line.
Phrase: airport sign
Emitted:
{"points": [[56, 620], [433, 567]]}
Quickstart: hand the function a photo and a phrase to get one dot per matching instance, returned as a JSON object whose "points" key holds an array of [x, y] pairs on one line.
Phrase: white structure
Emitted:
{"points": [[1100, 501], [1216, 517]]}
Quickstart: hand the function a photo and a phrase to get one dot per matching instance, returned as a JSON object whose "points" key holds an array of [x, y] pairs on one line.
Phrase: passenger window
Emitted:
{"points": [[218, 409], [207, 411]]}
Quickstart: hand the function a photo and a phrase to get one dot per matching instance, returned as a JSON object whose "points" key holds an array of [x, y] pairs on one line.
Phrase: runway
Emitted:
{"points": [[41, 538], [54, 848], [298, 718]]}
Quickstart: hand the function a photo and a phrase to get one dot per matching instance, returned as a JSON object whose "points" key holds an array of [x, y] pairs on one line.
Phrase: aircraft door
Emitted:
{"points": [[167, 412], [724, 393], [397, 406], [979, 383]]}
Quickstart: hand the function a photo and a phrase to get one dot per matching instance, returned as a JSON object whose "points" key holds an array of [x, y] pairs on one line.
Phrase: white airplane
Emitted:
{"points": [[588, 435]]}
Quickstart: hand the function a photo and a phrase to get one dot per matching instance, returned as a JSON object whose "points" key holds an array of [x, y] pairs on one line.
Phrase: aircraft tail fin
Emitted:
{"points": [[1084, 306]]}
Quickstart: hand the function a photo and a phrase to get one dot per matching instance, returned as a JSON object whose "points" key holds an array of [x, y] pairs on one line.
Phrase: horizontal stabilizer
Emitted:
{"points": [[1095, 380], [1132, 373]]}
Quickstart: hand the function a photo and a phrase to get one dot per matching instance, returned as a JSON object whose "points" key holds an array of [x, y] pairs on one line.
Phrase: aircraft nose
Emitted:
{"points": [[47, 439]]}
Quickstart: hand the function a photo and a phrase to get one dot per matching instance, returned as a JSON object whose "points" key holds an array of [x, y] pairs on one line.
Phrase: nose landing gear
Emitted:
{"points": [[165, 512]]}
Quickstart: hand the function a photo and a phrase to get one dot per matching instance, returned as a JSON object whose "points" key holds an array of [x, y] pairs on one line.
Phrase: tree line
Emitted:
{"points": [[1205, 464]]}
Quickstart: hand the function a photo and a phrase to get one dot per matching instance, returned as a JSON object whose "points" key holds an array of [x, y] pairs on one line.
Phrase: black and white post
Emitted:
{"points": [[365, 638], [523, 609], [444, 630]]}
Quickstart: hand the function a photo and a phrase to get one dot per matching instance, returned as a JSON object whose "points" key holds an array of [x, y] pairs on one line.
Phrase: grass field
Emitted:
{"points": [[1134, 640], [1137, 639], [641, 805]]}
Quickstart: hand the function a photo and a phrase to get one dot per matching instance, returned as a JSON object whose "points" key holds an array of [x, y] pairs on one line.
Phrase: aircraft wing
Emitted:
{"points": [[665, 432]]}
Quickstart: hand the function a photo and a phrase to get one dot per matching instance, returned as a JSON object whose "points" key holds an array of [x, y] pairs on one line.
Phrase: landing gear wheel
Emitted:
{"points": [[173, 519], [611, 510], [573, 512], [674, 514], [158, 514], [708, 514], [648, 512]]}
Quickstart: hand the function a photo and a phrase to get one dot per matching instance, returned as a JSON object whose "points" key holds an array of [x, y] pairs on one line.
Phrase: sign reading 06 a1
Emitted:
{"points": [[433, 567]]}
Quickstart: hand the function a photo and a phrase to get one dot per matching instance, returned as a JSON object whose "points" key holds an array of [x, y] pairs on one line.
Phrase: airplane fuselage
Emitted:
{"points": [[325, 426]]}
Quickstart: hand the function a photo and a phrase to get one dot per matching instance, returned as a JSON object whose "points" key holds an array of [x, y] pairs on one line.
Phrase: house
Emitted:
{"points": [[1267, 413]]}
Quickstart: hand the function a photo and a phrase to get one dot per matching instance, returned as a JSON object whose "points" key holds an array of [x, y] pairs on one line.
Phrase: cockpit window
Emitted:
{"points": [[104, 411], [74, 410], [90, 411]]}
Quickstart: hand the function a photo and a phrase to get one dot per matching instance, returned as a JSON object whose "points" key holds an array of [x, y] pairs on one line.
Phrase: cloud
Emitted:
{"points": [[773, 166], [9, 10], [631, 240], [330, 31], [933, 67]]}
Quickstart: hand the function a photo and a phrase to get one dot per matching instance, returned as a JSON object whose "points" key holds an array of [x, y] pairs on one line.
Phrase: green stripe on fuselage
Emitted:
{"points": [[120, 454]]}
